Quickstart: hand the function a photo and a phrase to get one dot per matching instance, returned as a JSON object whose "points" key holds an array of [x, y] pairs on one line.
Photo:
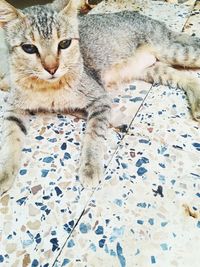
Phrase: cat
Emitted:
{"points": [[60, 62]]}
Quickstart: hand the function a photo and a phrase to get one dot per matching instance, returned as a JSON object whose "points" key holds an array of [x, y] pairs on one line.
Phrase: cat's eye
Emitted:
{"points": [[64, 44], [29, 48]]}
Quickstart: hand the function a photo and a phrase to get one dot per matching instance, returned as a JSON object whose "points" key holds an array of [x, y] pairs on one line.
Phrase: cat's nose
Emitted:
{"points": [[52, 70]]}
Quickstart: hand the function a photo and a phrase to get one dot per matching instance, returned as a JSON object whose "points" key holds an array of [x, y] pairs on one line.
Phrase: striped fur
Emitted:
{"points": [[178, 54], [14, 131], [19, 123], [164, 74]]}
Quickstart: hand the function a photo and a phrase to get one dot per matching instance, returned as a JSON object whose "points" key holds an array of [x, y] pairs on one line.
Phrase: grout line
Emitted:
{"points": [[131, 123], [95, 190], [82, 213]]}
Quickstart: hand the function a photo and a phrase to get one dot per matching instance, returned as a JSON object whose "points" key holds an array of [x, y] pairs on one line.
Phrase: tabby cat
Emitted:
{"points": [[61, 62]]}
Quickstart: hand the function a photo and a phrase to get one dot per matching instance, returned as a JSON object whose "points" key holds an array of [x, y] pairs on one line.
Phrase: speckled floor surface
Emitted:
{"points": [[145, 213]]}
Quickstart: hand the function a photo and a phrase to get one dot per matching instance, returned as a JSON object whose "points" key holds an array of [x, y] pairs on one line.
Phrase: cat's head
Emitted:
{"points": [[42, 40]]}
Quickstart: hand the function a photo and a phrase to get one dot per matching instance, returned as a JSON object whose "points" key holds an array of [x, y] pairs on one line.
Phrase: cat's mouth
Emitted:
{"points": [[53, 78]]}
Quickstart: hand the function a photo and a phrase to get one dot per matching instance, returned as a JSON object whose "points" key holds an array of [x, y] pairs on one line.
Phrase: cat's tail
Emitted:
{"points": [[164, 74], [178, 50]]}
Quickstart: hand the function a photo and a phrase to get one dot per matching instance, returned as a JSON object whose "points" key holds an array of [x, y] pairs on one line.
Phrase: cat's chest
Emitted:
{"points": [[54, 100]]}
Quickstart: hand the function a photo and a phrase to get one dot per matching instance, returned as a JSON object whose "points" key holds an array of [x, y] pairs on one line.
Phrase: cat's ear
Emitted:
{"points": [[68, 7], [8, 13]]}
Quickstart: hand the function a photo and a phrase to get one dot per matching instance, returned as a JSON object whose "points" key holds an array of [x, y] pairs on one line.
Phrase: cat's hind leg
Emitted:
{"points": [[178, 50], [143, 65], [167, 75]]}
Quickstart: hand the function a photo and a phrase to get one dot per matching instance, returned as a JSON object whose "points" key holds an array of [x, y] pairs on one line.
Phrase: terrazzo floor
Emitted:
{"points": [[146, 211]]}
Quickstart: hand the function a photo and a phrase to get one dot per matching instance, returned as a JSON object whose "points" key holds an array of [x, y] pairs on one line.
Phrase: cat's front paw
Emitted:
{"points": [[90, 174]]}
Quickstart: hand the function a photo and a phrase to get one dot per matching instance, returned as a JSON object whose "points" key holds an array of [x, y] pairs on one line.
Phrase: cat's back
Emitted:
{"points": [[101, 29], [111, 21], [106, 38]]}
